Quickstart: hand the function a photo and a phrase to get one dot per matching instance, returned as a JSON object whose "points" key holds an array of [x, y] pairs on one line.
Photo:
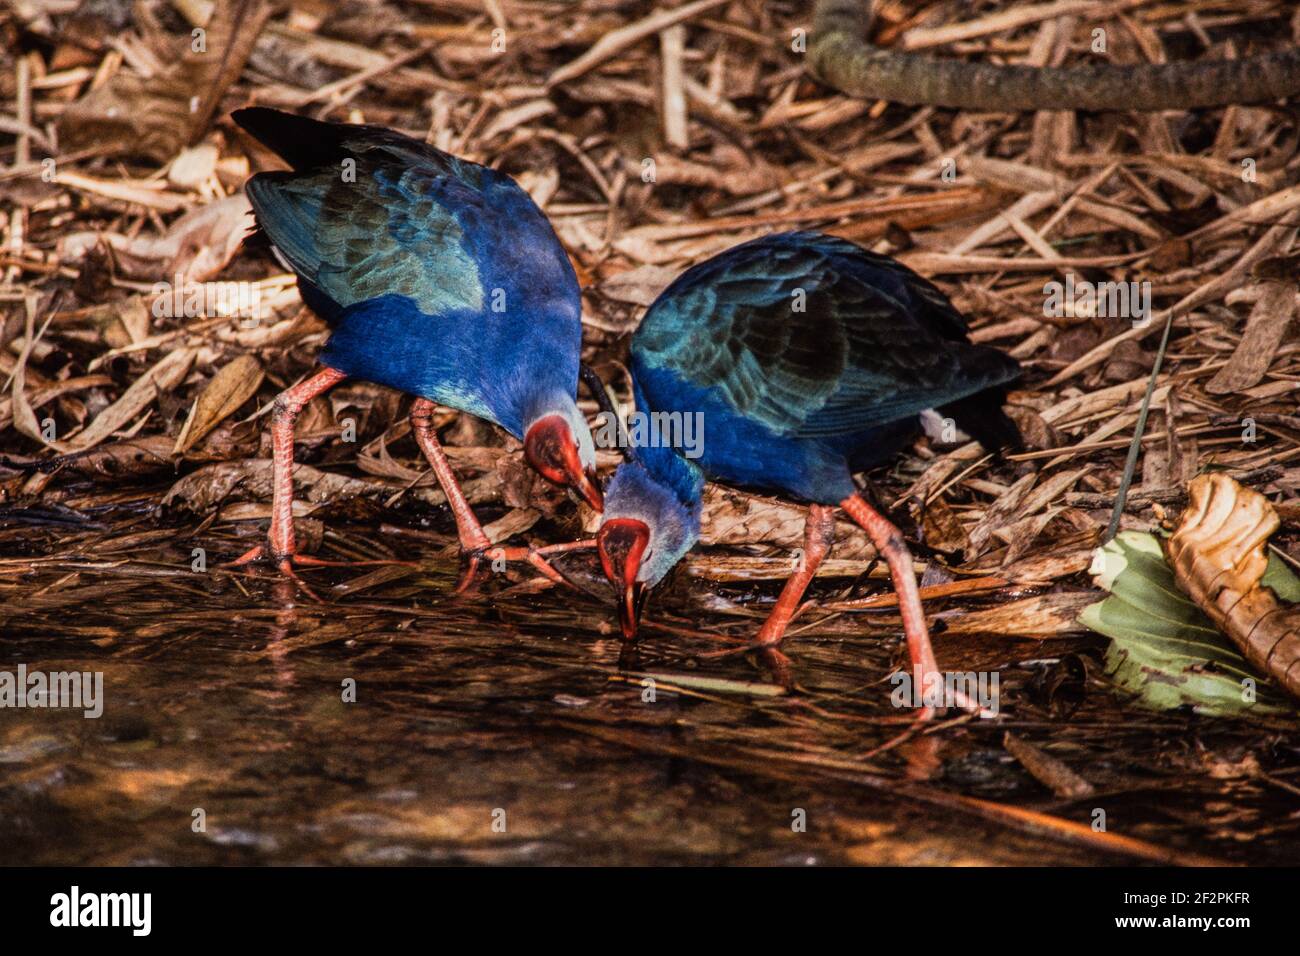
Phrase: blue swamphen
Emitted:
{"points": [[438, 277], [809, 359]]}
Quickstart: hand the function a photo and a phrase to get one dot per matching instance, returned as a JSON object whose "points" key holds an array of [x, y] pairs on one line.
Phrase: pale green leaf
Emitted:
{"points": [[1163, 647]]}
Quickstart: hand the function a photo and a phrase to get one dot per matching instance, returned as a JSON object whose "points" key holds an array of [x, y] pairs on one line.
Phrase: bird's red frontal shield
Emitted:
{"points": [[552, 450]]}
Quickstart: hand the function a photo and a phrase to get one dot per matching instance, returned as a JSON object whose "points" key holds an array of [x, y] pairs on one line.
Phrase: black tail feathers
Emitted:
{"points": [[301, 141]]}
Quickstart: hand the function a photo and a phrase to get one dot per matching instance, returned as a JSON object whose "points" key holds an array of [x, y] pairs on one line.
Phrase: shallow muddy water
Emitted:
{"points": [[510, 727]]}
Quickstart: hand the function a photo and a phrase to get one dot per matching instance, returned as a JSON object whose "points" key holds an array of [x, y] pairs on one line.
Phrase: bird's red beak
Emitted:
{"points": [[622, 543], [553, 452]]}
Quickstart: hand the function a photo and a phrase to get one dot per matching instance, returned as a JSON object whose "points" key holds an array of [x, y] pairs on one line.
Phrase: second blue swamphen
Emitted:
{"points": [[809, 359], [438, 277]]}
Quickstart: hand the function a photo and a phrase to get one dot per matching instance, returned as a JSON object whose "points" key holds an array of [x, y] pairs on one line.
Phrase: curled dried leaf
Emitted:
{"points": [[235, 383], [1218, 558], [1163, 647]]}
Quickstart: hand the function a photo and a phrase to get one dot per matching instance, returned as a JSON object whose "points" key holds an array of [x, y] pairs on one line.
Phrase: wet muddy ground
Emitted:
{"points": [[509, 726]]}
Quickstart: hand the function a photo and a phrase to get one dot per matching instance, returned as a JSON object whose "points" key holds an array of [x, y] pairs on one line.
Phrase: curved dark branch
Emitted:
{"points": [[840, 57]]}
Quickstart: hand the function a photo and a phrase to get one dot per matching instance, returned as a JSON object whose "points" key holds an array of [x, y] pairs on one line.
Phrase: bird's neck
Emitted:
{"points": [[548, 401]]}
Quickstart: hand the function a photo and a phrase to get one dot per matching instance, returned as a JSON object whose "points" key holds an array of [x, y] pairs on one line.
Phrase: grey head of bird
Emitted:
{"points": [[651, 520]]}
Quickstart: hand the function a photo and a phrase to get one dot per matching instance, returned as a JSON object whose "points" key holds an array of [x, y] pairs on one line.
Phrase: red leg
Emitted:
{"points": [[818, 536], [472, 538], [536, 556], [583, 544], [288, 405], [889, 542]]}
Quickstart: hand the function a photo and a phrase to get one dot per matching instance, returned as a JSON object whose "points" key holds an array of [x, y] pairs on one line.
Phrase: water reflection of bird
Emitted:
{"points": [[809, 359], [438, 277]]}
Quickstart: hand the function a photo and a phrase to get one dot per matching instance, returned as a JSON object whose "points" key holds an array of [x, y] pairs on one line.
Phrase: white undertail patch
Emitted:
{"points": [[940, 429]]}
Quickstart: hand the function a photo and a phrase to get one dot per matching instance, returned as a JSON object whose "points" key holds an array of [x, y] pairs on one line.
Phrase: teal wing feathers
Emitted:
{"points": [[813, 336]]}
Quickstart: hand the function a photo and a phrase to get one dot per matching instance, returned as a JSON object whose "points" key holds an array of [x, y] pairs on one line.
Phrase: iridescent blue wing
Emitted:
{"points": [[369, 212], [813, 336]]}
